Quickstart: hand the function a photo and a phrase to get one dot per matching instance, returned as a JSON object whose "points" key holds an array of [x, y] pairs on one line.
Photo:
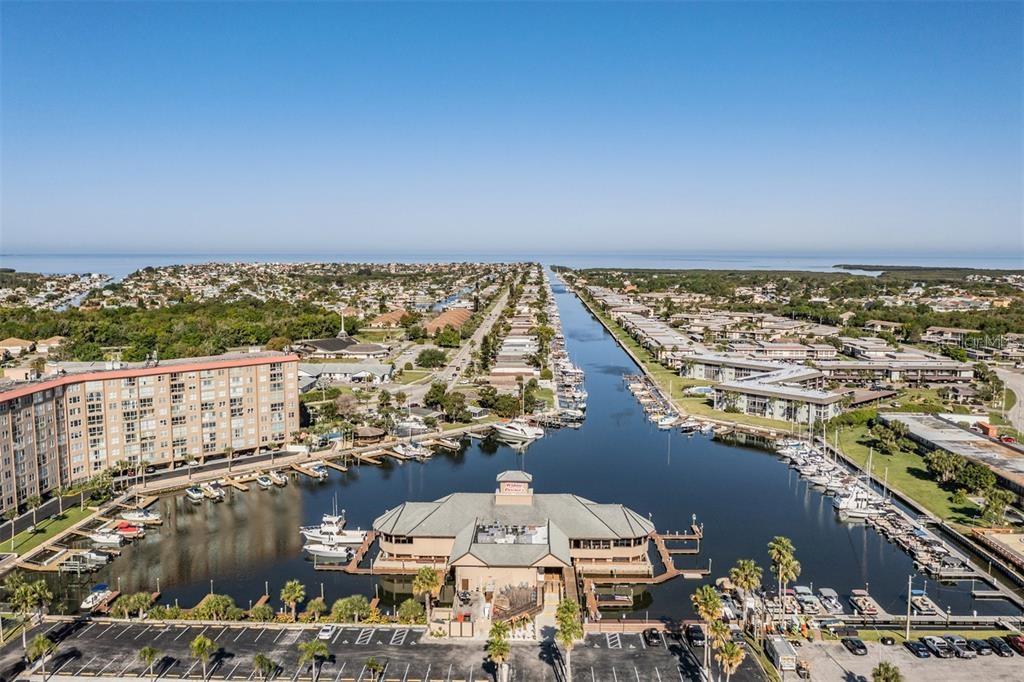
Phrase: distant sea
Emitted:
{"points": [[120, 265]]}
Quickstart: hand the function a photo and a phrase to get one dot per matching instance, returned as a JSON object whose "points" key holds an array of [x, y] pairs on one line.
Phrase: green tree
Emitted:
{"points": [[435, 394], [316, 608], [374, 668], [312, 652], [568, 629], [350, 609], [431, 358], [730, 656], [746, 575], [148, 656], [38, 649], [781, 552], [975, 477], [262, 613], [886, 672], [996, 502], [427, 582], [411, 612], [201, 648], [499, 649], [292, 593], [708, 605], [263, 666]]}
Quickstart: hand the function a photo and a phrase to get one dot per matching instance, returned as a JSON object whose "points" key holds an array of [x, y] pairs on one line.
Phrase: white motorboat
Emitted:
{"points": [[213, 491], [344, 537], [96, 596], [278, 478], [326, 551], [319, 470], [518, 429], [447, 443], [194, 494], [105, 538], [141, 516], [264, 481], [95, 557]]}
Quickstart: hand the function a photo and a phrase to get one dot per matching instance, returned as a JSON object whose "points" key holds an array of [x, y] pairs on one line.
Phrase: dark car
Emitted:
{"points": [[855, 646], [1016, 643], [980, 647], [695, 635], [652, 637], [918, 649], [887, 641], [1000, 647]]}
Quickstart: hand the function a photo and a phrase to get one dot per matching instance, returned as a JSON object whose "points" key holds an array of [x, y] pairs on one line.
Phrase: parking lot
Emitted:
{"points": [[626, 657], [87, 649], [830, 661]]}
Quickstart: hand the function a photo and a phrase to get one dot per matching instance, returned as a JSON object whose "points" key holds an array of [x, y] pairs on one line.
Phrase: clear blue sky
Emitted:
{"points": [[820, 126]]}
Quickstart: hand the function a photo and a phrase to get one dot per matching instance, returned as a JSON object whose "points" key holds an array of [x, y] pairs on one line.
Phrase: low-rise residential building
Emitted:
{"points": [[343, 373], [453, 317], [14, 346], [948, 335], [782, 394], [388, 320], [68, 427]]}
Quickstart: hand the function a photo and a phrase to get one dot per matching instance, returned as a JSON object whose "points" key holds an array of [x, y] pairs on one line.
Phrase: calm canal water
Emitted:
{"points": [[744, 497]]}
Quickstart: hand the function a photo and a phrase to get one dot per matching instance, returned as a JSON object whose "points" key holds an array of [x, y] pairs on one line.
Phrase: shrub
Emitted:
{"points": [[262, 613], [350, 609], [411, 612], [431, 358]]}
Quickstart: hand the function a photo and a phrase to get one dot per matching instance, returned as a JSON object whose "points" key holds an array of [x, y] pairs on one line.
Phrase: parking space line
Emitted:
{"points": [[240, 633], [109, 628], [233, 670], [203, 631], [405, 677], [615, 674], [398, 637], [108, 664], [263, 630], [613, 640], [91, 626], [637, 672], [338, 676], [643, 644], [183, 631], [337, 635], [657, 672], [130, 662], [220, 633], [87, 664], [163, 631], [365, 635], [189, 671], [70, 658], [126, 629], [280, 632], [143, 631], [55, 625]]}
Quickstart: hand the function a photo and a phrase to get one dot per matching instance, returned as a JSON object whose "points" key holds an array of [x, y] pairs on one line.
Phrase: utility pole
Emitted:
{"points": [[910, 579]]}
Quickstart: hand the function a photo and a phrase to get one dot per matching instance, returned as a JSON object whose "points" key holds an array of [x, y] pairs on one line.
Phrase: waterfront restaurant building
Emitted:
{"points": [[64, 429], [514, 537]]}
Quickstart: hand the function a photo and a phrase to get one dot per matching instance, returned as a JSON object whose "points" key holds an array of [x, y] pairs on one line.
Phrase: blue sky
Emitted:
{"points": [[598, 127]]}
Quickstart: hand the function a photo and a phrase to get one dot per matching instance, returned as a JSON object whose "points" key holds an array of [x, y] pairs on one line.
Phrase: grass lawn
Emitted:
{"points": [[379, 335], [908, 473], [1011, 400], [412, 376], [873, 635], [25, 542], [489, 419], [547, 395]]}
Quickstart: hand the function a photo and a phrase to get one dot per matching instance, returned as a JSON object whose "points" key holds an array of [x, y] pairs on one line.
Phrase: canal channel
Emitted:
{"points": [[743, 497]]}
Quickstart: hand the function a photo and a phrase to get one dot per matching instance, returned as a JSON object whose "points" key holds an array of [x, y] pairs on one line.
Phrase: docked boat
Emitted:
{"points": [[106, 538], [447, 443], [194, 494], [330, 525], [809, 604], [689, 426], [213, 491], [97, 595], [326, 551], [264, 481], [319, 470], [863, 603], [143, 516], [667, 421], [829, 599], [277, 478], [343, 537], [95, 557], [518, 429], [129, 530]]}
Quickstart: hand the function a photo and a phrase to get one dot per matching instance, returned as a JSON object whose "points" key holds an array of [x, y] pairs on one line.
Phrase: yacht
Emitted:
{"points": [[518, 429], [106, 538], [330, 525], [194, 494], [264, 481], [326, 551], [141, 516], [98, 595], [278, 478]]}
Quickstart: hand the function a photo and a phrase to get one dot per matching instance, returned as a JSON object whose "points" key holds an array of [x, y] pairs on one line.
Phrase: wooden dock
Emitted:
{"points": [[103, 608], [334, 465], [237, 485], [368, 457], [303, 470]]}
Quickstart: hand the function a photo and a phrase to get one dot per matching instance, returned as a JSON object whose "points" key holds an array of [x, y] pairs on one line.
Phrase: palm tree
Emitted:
{"points": [[38, 649], [33, 502], [374, 667], [787, 571], [708, 605], [202, 648], [746, 575], [718, 634], [729, 657], [316, 607], [10, 515], [426, 582], [780, 549], [263, 665], [292, 593], [41, 597], [148, 656], [569, 629], [312, 652], [886, 672], [498, 648]]}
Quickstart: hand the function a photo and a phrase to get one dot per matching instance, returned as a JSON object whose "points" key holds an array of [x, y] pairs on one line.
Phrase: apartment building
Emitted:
{"points": [[68, 427]]}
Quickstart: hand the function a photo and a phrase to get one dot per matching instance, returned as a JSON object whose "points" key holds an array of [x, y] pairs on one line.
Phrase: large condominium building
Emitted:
{"points": [[69, 427]]}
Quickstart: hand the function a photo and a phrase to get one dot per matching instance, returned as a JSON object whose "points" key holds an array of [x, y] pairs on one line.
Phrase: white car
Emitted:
{"points": [[326, 633]]}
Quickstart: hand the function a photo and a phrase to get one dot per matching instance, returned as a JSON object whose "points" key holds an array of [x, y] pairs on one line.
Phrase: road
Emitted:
{"points": [[1014, 381]]}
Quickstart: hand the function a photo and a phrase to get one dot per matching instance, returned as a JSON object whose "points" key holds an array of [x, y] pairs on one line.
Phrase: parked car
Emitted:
{"points": [[855, 646], [938, 646], [1008, 439], [980, 647], [887, 641], [652, 637], [1000, 647], [326, 633], [695, 635], [918, 649], [959, 646], [1016, 643]]}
